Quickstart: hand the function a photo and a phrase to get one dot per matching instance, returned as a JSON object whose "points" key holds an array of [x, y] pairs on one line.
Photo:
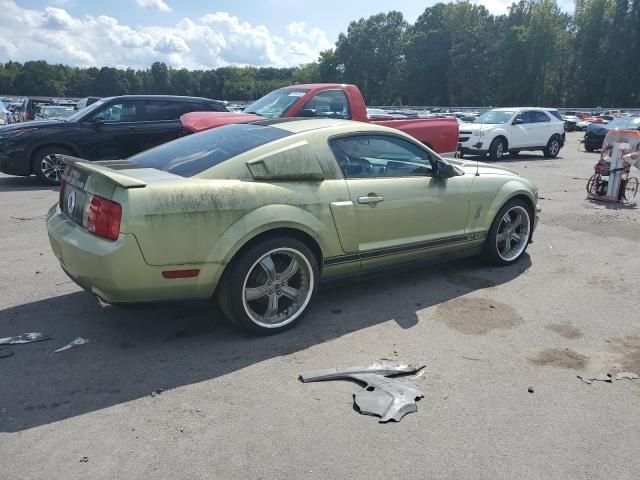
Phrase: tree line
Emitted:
{"points": [[454, 54]]}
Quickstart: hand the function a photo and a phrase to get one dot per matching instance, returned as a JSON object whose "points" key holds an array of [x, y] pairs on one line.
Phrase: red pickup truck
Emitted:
{"points": [[329, 100]]}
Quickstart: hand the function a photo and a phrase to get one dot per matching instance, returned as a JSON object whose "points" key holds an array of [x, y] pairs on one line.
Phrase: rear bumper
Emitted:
{"points": [[116, 271], [593, 141]]}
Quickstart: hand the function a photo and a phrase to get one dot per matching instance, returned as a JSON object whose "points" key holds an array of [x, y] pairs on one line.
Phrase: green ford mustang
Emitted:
{"points": [[257, 214]]}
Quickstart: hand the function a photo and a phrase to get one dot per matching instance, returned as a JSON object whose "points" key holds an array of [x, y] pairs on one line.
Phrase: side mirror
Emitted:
{"points": [[307, 112], [98, 120], [445, 170], [518, 121]]}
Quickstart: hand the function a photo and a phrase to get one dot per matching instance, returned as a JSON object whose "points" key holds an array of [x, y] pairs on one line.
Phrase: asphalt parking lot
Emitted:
{"points": [[231, 406]]}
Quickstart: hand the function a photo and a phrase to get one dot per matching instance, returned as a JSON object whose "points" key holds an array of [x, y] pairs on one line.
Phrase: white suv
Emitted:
{"points": [[503, 130]]}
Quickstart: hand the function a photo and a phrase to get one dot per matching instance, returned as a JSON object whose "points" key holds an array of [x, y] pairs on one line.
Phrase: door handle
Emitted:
{"points": [[371, 199]]}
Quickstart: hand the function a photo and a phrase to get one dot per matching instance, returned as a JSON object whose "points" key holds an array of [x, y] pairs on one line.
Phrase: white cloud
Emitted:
{"points": [[214, 40], [302, 39], [159, 5]]}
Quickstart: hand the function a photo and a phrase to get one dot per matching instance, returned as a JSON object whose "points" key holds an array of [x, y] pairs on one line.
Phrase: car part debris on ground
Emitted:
{"points": [[5, 352], [25, 338], [157, 392], [76, 343], [387, 398], [609, 377]]}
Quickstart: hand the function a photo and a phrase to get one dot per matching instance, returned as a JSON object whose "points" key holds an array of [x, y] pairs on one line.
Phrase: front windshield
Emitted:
{"points": [[494, 117], [277, 103], [81, 113], [633, 122]]}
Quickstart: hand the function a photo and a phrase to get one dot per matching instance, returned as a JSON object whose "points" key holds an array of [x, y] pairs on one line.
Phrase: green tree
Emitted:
{"points": [[371, 56], [158, 79]]}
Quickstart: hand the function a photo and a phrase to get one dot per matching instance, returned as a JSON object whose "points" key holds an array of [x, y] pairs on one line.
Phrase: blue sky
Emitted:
{"points": [[194, 34]]}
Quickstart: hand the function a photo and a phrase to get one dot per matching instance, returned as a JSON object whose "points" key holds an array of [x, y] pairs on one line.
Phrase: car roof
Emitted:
{"points": [[161, 97], [315, 86], [300, 125], [513, 109]]}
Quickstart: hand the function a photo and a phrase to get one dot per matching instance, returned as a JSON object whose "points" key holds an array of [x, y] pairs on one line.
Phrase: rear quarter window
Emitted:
{"points": [[556, 114], [193, 154]]}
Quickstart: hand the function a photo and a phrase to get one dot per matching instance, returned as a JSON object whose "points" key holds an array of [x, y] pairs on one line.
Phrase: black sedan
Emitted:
{"points": [[594, 136], [111, 128]]}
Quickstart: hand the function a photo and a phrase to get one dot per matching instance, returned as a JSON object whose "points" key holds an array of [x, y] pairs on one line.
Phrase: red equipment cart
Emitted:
{"points": [[611, 181]]}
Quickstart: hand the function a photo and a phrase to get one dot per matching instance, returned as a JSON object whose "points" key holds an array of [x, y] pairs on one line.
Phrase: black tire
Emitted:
{"points": [[553, 147], [44, 157], [231, 292], [497, 149], [490, 250], [589, 148]]}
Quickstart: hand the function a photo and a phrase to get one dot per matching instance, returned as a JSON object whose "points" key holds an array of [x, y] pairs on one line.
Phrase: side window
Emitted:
{"points": [[539, 117], [158, 110], [329, 104], [118, 112], [380, 156], [524, 117]]}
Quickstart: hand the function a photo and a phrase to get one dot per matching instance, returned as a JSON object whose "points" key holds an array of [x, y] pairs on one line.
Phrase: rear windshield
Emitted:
{"points": [[193, 154]]}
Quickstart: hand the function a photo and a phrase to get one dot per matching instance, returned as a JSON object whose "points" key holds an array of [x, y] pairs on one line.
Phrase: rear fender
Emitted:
{"points": [[271, 217]]}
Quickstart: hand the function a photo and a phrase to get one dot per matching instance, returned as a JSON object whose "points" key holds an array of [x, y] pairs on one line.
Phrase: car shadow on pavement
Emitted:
{"points": [[8, 184], [138, 350]]}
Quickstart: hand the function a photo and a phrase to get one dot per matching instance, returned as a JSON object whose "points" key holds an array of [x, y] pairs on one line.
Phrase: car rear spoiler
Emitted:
{"points": [[123, 181]]}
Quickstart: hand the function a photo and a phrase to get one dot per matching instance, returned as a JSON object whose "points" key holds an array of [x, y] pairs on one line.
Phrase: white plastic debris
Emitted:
{"points": [[25, 338], [76, 343]]}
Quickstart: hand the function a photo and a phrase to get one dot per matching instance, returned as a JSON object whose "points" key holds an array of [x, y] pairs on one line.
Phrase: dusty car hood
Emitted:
{"points": [[199, 121], [470, 166]]}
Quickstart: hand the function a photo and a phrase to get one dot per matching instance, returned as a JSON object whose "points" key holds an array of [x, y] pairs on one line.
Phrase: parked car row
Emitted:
{"points": [[119, 127]]}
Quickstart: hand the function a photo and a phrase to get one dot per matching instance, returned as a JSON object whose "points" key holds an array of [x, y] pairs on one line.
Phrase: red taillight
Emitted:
{"points": [[104, 218], [61, 199]]}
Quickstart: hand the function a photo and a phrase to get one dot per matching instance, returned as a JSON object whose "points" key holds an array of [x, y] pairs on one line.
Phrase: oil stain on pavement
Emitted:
{"points": [[566, 331], [477, 316], [560, 358], [627, 353]]}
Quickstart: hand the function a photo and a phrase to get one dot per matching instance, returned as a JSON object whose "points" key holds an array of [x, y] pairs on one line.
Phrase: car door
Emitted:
{"points": [[541, 127], [110, 133], [161, 122], [521, 131], [402, 211]]}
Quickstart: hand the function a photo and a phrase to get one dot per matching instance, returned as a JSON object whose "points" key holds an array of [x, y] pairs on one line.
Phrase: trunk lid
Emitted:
{"points": [[82, 180]]}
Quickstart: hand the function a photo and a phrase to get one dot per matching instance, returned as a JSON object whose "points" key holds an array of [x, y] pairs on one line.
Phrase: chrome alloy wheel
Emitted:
{"points": [[499, 150], [278, 288], [554, 148], [52, 167], [513, 233]]}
